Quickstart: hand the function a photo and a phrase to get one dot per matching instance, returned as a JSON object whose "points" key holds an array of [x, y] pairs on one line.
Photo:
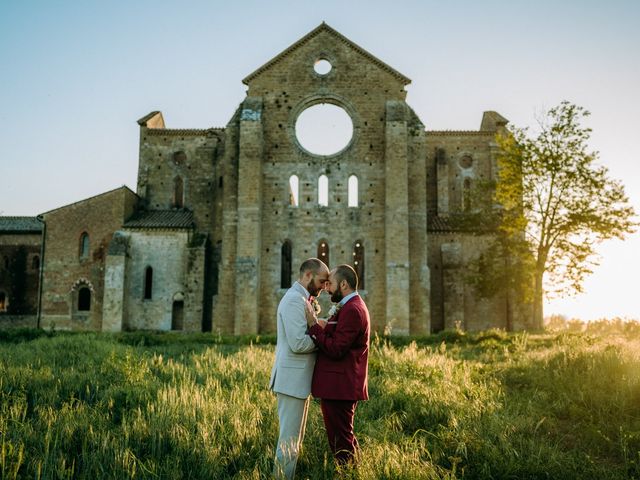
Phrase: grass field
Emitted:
{"points": [[453, 405]]}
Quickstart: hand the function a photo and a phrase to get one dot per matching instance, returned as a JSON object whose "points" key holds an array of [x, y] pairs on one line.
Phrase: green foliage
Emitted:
{"points": [[446, 406], [551, 189]]}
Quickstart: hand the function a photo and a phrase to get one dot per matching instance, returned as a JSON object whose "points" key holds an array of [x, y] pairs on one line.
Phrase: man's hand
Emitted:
{"points": [[310, 315]]}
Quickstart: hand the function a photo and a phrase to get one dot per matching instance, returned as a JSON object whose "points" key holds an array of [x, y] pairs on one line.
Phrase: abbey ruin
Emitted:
{"points": [[222, 217]]}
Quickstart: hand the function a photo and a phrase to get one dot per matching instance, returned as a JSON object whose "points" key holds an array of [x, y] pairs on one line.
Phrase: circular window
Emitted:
{"points": [[324, 129], [322, 66], [466, 161], [179, 158]]}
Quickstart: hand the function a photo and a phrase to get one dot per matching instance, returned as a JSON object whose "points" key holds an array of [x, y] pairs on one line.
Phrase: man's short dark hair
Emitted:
{"points": [[312, 264], [346, 272]]}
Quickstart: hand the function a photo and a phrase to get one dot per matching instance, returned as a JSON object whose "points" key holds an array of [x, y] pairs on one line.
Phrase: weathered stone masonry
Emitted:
{"points": [[202, 244]]}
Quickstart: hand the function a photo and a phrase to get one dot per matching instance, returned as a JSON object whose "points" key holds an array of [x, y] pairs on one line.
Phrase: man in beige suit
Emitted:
{"points": [[294, 362]]}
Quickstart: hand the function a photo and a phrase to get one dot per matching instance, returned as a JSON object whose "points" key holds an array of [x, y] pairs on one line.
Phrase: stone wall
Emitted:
{"points": [[184, 169], [455, 303], [452, 158], [67, 270], [166, 252], [223, 272], [405, 175], [362, 87], [19, 274]]}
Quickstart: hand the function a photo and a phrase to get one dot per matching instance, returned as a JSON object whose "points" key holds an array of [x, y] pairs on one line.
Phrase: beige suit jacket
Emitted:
{"points": [[295, 351]]}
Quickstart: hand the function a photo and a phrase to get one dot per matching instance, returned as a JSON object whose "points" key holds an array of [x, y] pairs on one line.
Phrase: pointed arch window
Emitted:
{"points": [[358, 262], [148, 283], [294, 191], [466, 195], [84, 245], [84, 299], [285, 264], [353, 191], [35, 262], [178, 192], [3, 302], [323, 191], [323, 251]]}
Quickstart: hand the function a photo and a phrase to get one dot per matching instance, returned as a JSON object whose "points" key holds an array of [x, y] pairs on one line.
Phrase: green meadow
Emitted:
{"points": [[556, 405]]}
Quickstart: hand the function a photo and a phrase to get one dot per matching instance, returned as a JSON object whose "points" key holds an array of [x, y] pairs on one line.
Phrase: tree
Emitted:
{"points": [[550, 189]]}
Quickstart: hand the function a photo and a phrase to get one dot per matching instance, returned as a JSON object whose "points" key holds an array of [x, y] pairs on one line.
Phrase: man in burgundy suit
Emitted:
{"points": [[340, 373]]}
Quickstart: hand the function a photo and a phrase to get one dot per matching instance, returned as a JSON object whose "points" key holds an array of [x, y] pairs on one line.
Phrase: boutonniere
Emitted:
{"points": [[335, 309], [315, 304]]}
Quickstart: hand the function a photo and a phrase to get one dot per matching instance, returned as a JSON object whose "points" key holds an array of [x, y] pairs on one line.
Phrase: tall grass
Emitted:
{"points": [[488, 405]]}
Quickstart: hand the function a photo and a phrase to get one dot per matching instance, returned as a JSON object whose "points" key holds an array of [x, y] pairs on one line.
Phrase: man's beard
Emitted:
{"points": [[337, 296], [312, 289]]}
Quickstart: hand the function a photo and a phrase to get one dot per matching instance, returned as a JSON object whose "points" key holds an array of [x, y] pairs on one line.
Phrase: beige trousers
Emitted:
{"points": [[292, 417]]}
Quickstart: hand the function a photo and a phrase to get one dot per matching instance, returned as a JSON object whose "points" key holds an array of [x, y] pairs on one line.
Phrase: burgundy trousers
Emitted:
{"points": [[338, 421]]}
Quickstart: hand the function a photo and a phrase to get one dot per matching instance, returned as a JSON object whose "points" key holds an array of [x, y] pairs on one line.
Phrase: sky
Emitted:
{"points": [[75, 77]]}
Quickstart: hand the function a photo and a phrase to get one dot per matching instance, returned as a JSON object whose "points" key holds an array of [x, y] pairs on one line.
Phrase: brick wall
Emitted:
{"points": [[66, 271]]}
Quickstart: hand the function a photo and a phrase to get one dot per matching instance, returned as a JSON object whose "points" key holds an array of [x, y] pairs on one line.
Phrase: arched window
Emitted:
{"points": [[35, 262], [148, 283], [179, 158], [353, 191], [177, 315], [358, 262], [178, 192], [323, 251], [466, 195], [323, 191], [3, 302], [285, 265], [84, 299], [84, 245], [293, 191]]}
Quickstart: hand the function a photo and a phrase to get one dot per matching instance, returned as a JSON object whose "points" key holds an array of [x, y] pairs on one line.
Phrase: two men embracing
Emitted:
{"points": [[325, 358]]}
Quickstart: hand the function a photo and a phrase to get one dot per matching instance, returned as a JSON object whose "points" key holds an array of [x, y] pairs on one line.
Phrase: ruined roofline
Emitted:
{"points": [[154, 123], [185, 131], [88, 198], [323, 27], [453, 133], [492, 123], [152, 120]]}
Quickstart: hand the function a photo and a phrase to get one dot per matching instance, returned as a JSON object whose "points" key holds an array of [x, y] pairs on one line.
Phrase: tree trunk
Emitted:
{"points": [[509, 292], [537, 323]]}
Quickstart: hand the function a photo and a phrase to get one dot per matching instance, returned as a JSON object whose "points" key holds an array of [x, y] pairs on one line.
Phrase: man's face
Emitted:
{"points": [[318, 283], [334, 288]]}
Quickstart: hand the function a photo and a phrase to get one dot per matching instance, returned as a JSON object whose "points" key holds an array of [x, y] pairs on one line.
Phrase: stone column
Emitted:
{"points": [[442, 178], [419, 277], [223, 304], [452, 286], [396, 218], [194, 281], [249, 217], [113, 306]]}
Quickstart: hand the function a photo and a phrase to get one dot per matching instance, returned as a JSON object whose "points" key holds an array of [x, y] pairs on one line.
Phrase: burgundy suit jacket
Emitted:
{"points": [[341, 367]]}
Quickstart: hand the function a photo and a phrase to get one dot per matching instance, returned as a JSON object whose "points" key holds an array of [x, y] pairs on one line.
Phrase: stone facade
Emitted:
{"points": [[20, 260], [217, 229], [76, 240], [155, 275]]}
